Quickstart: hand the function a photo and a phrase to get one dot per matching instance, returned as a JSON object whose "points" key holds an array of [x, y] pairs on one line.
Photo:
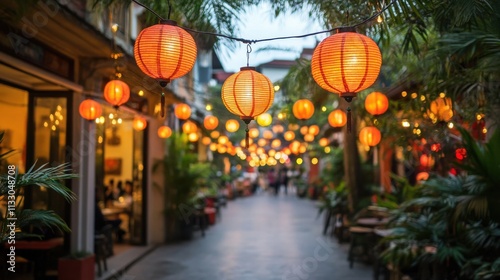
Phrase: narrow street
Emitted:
{"points": [[261, 237]]}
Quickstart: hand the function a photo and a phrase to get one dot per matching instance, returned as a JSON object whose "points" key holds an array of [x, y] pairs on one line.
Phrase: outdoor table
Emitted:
{"points": [[36, 251], [112, 213]]}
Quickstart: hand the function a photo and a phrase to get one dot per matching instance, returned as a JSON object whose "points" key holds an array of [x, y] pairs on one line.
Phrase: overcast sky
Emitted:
{"points": [[258, 23]]}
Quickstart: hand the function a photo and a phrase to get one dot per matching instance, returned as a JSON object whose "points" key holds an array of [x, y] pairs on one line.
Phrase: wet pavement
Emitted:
{"points": [[261, 237]]}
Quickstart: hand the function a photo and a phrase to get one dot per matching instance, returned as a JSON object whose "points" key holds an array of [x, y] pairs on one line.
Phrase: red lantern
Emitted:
{"points": [[370, 136], [460, 153], [303, 109], [337, 118], [164, 131], [211, 122], [182, 111], [189, 127], [116, 92], [139, 123], [90, 109], [376, 103]]}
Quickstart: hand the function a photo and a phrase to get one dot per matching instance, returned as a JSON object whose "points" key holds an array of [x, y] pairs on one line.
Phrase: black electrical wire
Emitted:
{"points": [[250, 41]]}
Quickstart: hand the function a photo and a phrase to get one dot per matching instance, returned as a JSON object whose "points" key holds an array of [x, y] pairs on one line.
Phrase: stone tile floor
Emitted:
{"points": [[261, 237]]}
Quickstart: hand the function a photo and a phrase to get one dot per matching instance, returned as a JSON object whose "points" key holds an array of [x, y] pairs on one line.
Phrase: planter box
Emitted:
{"points": [[76, 269]]}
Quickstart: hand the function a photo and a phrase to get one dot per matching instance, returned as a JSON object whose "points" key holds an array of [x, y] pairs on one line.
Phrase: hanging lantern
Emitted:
{"points": [[139, 123], [304, 130], [116, 93], [308, 137], [253, 132], [376, 103], [211, 122], [267, 134], [214, 134], [314, 130], [323, 142], [232, 125], [264, 119], [164, 131], [193, 137], [247, 94], [294, 147], [303, 148], [337, 118], [223, 140], [262, 142], [426, 161], [278, 128], [370, 136], [182, 111], [289, 135], [303, 109], [206, 140], [165, 52], [189, 127], [441, 110], [213, 147], [90, 109], [346, 63], [276, 143]]}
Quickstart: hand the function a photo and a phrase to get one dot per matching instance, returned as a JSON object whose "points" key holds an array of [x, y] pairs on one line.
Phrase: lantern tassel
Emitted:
{"points": [[162, 104], [349, 119], [246, 137]]}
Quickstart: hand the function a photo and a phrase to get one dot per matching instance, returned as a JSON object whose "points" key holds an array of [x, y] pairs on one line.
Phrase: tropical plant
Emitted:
{"points": [[182, 178], [453, 222], [12, 187]]}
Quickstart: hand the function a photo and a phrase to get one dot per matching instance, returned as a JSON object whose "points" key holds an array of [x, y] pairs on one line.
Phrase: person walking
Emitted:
{"points": [[273, 180], [284, 178]]}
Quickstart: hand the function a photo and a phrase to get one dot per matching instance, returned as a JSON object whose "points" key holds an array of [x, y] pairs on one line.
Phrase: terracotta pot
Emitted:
{"points": [[76, 269]]}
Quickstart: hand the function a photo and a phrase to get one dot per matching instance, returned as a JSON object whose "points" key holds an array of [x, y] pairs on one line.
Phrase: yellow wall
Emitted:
{"points": [[13, 119]]}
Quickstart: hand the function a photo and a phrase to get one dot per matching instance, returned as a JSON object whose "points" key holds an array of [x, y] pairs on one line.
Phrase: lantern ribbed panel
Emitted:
{"points": [[370, 136], [337, 118], [211, 122], [303, 109], [116, 92], [90, 109], [165, 52], [247, 93], [346, 63], [376, 103]]}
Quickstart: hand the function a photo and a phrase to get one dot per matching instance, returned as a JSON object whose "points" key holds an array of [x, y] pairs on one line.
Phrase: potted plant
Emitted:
{"points": [[77, 266], [182, 177]]}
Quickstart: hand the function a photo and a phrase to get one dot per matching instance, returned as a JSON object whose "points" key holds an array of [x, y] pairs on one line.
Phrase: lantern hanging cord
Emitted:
{"points": [[249, 50], [253, 41]]}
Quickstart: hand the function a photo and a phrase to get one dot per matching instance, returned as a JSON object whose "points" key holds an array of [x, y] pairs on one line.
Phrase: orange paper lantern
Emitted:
{"points": [[346, 63], [314, 129], [90, 109], [164, 131], [189, 127], [193, 137], [206, 140], [289, 135], [337, 118], [232, 125], [376, 103], [303, 109], [370, 136], [139, 123], [165, 51], [116, 92], [247, 93], [253, 132], [182, 111], [211, 122], [323, 142], [441, 109], [426, 161]]}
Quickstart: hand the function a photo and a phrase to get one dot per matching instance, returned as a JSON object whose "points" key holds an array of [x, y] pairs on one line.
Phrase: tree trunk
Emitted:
{"points": [[352, 165]]}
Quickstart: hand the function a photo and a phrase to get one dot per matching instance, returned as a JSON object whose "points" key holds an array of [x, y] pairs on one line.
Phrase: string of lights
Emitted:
{"points": [[253, 41]]}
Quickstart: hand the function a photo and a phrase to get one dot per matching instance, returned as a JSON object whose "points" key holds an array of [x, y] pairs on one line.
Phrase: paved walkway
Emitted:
{"points": [[258, 238]]}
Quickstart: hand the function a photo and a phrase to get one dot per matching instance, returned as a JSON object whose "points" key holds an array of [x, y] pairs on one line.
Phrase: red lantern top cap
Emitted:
{"points": [[346, 29], [247, 68]]}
